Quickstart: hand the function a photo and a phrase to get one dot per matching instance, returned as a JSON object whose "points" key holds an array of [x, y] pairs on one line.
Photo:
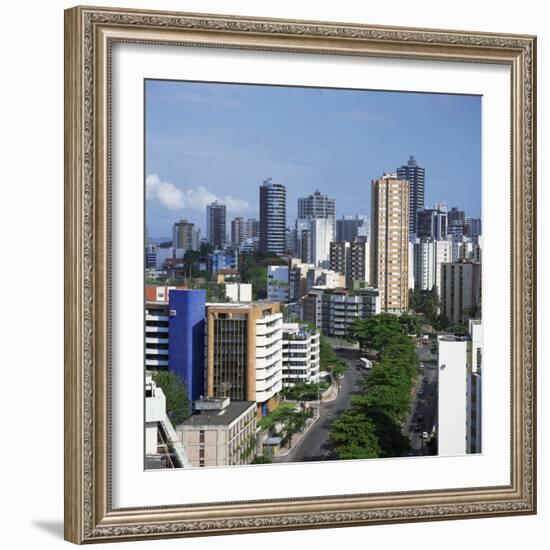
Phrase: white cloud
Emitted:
{"points": [[196, 199], [166, 193]]}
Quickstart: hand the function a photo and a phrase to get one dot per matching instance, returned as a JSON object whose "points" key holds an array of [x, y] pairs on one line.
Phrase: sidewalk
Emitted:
{"points": [[293, 441]]}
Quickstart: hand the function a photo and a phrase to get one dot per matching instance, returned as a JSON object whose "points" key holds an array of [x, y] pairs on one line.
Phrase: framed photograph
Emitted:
{"points": [[300, 274]]}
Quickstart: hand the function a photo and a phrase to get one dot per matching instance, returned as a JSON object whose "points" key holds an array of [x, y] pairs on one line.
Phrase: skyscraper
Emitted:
{"points": [[185, 235], [349, 228], [460, 291], [322, 234], [272, 217], [456, 220], [424, 263], [216, 224], [316, 206], [390, 242], [414, 174], [242, 229]]}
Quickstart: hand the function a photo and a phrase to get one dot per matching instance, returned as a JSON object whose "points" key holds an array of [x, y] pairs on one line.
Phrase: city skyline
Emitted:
{"points": [[208, 142]]}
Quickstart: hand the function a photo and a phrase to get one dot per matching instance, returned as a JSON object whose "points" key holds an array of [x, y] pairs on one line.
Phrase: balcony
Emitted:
{"points": [[156, 362]]}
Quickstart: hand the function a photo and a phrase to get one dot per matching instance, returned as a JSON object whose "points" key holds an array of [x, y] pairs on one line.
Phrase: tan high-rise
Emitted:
{"points": [[389, 264]]}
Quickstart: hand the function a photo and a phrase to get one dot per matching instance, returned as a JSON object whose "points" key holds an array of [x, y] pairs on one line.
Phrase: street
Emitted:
{"points": [[424, 405], [314, 445]]}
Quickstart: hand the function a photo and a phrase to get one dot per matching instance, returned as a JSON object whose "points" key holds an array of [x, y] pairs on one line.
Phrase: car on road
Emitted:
{"points": [[425, 435], [420, 392]]}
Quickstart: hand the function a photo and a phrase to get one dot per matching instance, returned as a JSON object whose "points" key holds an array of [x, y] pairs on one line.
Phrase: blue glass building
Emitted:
{"points": [[186, 338]]}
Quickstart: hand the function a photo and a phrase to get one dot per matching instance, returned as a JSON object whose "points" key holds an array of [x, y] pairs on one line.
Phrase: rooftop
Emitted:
{"points": [[219, 417]]}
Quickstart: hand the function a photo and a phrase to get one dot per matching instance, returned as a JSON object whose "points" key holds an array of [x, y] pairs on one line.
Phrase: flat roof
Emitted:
{"points": [[219, 417]]}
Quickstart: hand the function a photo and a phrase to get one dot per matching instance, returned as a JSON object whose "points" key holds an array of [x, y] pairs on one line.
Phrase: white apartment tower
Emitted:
{"points": [[301, 355]]}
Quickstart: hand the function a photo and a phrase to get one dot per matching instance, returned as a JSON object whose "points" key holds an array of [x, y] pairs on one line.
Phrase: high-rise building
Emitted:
{"points": [[303, 239], [272, 217], [322, 234], [425, 223], [414, 174], [351, 260], [390, 242], [316, 206], [360, 261], [424, 264], [472, 228], [340, 257], [350, 228], [244, 353], [244, 229], [185, 235], [460, 291], [216, 224], [456, 220], [443, 252]]}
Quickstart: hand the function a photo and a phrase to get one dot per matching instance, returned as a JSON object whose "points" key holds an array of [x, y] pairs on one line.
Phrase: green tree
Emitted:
{"points": [[377, 331], [178, 406], [425, 302], [353, 436]]}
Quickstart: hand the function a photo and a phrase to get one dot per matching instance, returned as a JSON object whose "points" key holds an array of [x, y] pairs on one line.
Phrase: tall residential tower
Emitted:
{"points": [[414, 174], [272, 217], [390, 242], [216, 224]]}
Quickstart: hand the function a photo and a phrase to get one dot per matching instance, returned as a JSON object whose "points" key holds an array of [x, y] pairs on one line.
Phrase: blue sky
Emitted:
{"points": [[208, 141]]}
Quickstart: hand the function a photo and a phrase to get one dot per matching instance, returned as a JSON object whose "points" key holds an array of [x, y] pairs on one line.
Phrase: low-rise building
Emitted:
{"points": [[301, 355], [238, 292], [220, 432]]}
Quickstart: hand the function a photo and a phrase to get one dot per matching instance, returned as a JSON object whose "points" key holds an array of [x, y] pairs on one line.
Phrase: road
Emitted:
{"points": [[314, 444], [424, 404]]}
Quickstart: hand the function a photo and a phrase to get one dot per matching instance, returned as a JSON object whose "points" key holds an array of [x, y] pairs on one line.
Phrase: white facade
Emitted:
{"points": [[322, 234], [317, 276], [277, 283], [269, 356], [424, 264], [301, 355], [238, 292], [411, 265], [460, 399], [452, 400], [156, 333], [473, 436]]}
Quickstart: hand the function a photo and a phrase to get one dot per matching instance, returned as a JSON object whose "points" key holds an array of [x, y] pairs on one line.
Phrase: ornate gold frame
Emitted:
{"points": [[89, 34]]}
